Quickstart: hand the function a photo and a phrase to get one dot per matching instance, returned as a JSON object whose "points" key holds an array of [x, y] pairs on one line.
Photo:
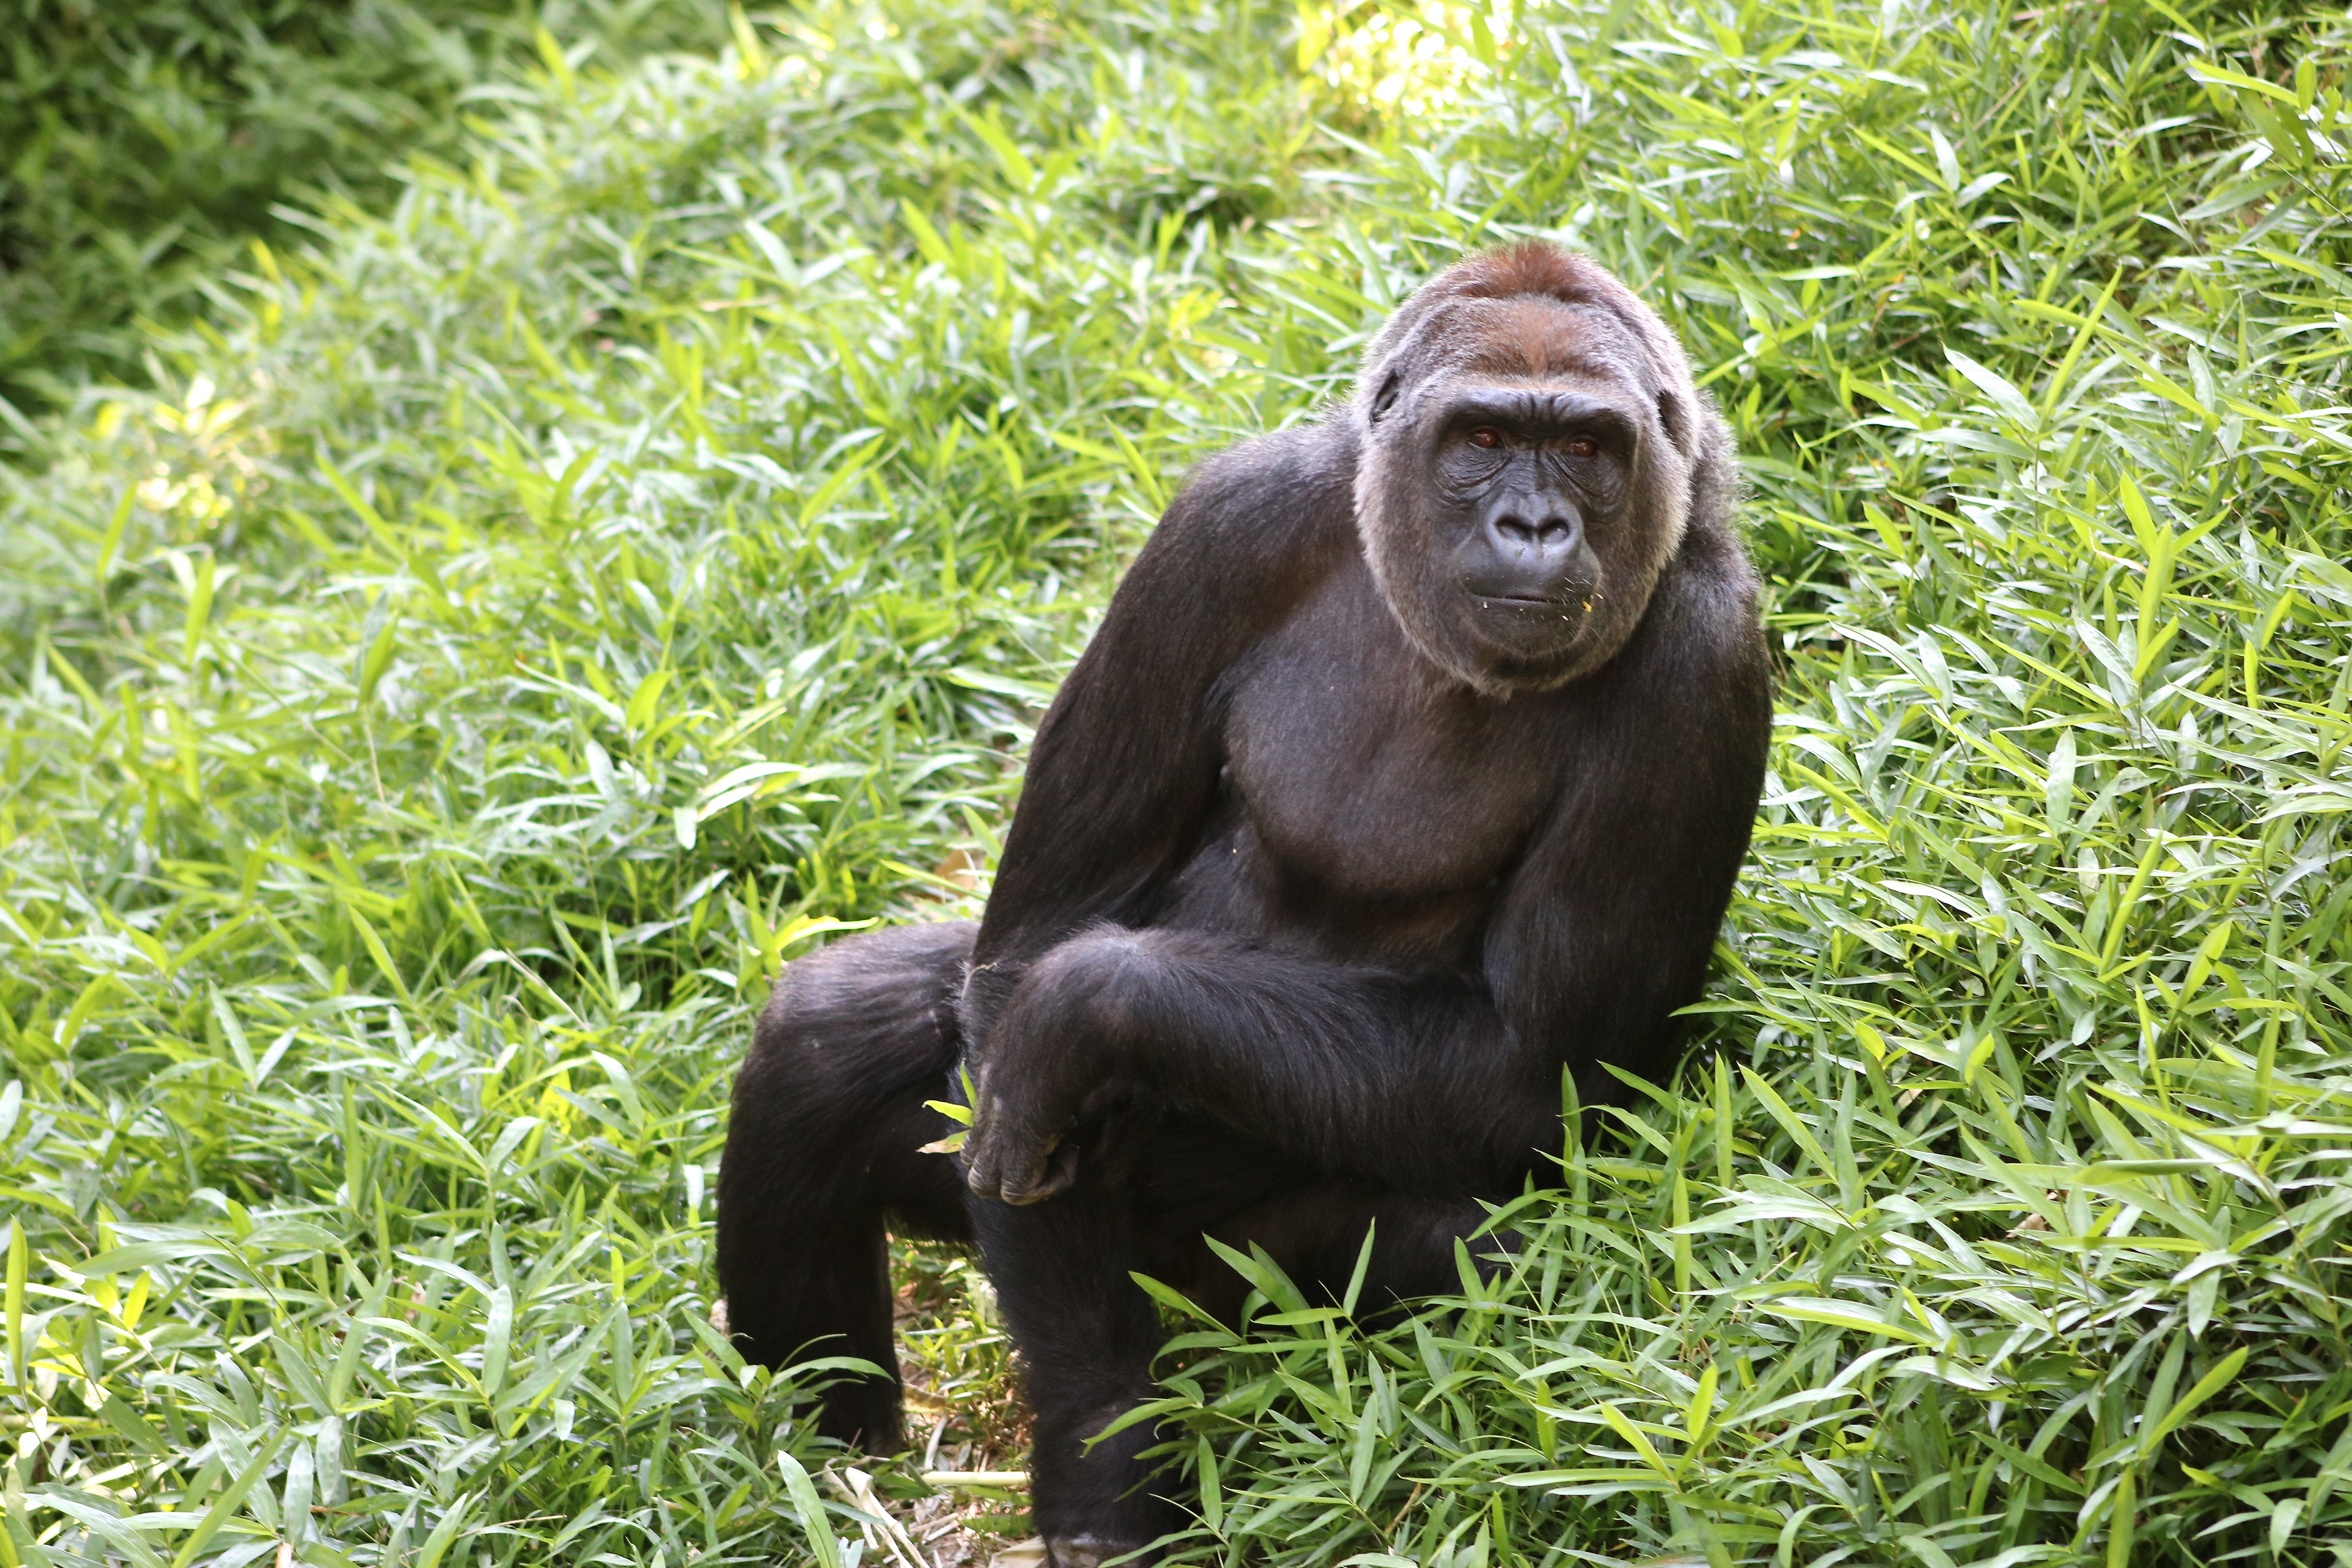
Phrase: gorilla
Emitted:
{"points": [[1411, 768]]}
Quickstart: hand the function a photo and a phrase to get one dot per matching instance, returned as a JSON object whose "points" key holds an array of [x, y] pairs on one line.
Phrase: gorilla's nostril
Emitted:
{"points": [[1547, 534]]}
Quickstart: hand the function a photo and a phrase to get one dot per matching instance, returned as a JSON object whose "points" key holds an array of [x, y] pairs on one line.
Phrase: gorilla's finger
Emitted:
{"points": [[1055, 1175], [1005, 1157], [990, 1149], [980, 1148], [984, 1174]]}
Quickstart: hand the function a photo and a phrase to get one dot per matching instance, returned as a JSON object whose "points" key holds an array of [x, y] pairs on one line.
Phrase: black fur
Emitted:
{"points": [[1413, 764], [821, 1156]]}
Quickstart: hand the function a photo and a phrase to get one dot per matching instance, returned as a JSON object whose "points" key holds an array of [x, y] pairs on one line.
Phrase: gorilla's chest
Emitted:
{"points": [[1357, 773]]}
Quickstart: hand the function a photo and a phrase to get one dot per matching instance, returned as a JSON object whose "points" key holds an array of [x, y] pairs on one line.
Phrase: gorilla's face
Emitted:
{"points": [[1529, 480], [1518, 500]]}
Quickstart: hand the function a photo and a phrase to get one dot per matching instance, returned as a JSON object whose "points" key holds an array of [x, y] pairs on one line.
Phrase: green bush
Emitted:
{"points": [[144, 144], [431, 716], [511, 629]]}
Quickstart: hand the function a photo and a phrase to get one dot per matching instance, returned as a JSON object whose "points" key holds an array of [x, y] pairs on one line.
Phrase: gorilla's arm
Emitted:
{"points": [[1428, 1082], [1124, 768], [1410, 1085], [1649, 842]]}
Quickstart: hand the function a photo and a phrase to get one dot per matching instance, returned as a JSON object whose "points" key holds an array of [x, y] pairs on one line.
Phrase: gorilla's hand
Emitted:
{"points": [[1014, 1151], [1044, 1064]]}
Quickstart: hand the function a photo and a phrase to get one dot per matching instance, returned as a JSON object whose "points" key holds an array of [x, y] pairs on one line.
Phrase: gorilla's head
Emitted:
{"points": [[1533, 452]]}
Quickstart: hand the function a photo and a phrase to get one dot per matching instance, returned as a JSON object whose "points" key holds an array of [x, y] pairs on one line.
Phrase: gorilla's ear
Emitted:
{"points": [[1670, 415], [1385, 398]]}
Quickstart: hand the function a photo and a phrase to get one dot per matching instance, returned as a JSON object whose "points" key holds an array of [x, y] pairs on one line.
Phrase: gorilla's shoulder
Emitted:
{"points": [[1277, 492], [1317, 451], [1704, 631]]}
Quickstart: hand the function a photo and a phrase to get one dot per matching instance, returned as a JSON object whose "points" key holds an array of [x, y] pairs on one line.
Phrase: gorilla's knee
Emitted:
{"points": [[883, 1002]]}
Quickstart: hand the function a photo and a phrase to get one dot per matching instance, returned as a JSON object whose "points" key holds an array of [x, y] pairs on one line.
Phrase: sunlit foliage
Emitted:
{"points": [[514, 626]]}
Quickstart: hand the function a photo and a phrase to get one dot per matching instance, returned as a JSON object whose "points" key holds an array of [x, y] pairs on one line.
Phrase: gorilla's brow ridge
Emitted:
{"points": [[1601, 387]]}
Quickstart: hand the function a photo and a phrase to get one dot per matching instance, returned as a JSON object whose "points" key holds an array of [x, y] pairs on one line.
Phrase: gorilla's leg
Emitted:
{"points": [[821, 1155], [1189, 1178], [1087, 1336], [1316, 1234]]}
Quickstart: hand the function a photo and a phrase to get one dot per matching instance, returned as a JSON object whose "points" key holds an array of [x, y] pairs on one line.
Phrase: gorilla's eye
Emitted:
{"points": [[1486, 436], [1581, 446]]}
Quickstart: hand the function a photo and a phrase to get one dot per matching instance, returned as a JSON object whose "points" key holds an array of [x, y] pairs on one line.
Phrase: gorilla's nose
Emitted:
{"points": [[1533, 529], [1528, 546]]}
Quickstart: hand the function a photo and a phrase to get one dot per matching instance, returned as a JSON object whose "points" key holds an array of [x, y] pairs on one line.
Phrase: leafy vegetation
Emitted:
{"points": [[147, 143], [514, 626]]}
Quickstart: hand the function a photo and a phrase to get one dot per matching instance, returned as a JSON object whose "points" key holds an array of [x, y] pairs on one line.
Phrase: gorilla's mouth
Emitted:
{"points": [[1573, 600], [1522, 626]]}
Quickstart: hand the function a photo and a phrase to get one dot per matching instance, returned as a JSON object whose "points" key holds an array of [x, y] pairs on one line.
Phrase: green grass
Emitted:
{"points": [[144, 143], [516, 623]]}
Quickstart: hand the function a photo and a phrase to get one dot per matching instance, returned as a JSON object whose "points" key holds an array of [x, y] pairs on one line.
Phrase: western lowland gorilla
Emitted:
{"points": [[1411, 767]]}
